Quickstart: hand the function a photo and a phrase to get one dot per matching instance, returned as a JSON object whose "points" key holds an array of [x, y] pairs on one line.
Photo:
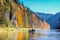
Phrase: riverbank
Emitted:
{"points": [[19, 29]]}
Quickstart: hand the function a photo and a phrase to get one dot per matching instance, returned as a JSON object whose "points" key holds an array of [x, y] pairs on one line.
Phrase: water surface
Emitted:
{"points": [[37, 35]]}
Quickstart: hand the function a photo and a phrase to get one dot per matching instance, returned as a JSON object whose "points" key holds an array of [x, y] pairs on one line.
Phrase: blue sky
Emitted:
{"points": [[44, 6]]}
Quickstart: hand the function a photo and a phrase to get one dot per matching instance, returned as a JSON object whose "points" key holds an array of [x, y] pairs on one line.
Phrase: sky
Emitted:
{"points": [[44, 6]]}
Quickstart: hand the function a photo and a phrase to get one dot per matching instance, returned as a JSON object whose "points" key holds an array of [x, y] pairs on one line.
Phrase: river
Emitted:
{"points": [[52, 34]]}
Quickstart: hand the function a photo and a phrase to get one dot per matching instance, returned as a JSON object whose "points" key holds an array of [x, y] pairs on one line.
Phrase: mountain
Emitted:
{"points": [[54, 20], [15, 14], [44, 16]]}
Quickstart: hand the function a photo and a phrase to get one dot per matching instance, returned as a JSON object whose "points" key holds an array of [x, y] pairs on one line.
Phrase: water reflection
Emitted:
{"points": [[23, 35], [7, 35]]}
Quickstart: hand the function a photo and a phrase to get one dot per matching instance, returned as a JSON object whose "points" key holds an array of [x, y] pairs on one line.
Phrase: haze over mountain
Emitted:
{"points": [[53, 20], [44, 16]]}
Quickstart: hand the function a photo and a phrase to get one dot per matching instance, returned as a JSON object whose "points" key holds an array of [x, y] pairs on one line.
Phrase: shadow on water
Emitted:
{"points": [[35, 35]]}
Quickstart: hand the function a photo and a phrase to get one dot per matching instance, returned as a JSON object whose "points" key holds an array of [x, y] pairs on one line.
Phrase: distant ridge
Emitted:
{"points": [[53, 20], [44, 16]]}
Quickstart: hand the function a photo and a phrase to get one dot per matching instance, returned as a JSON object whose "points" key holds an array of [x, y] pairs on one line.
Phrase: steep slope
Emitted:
{"points": [[54, 20], [44, 16], [18, 16]]}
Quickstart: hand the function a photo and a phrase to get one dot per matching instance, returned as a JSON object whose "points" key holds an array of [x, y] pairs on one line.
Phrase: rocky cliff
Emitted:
{"points": [[15, 14]]}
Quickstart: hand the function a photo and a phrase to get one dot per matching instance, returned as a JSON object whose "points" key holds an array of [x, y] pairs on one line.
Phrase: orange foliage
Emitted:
{"points": [[44, 25], [22, 9], [33, 17], [19, 19]]}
